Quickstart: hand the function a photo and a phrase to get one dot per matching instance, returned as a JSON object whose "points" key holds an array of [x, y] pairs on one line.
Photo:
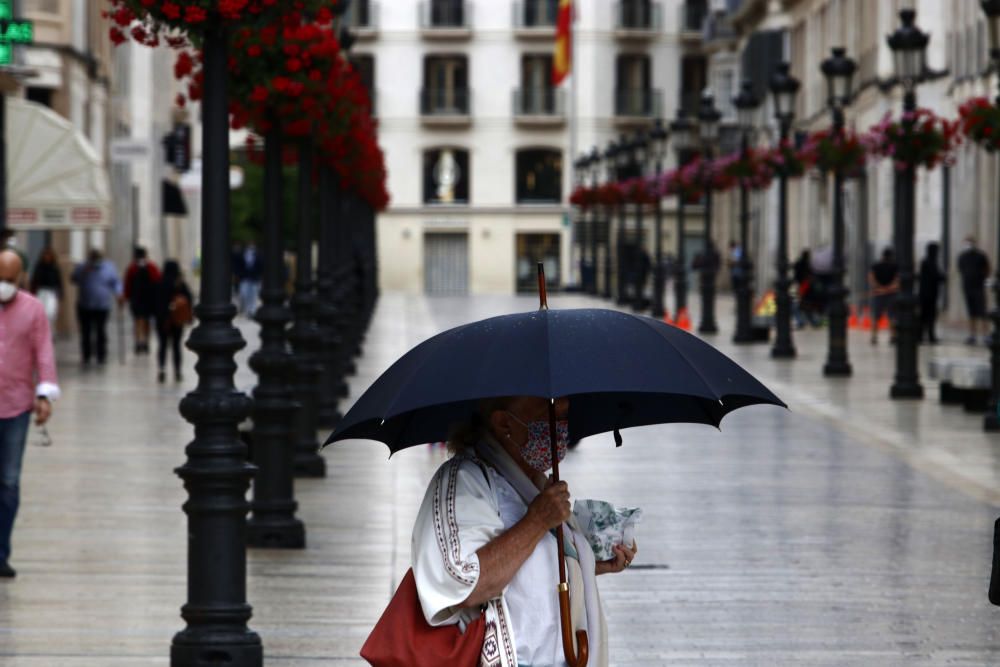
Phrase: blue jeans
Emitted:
{"points": [[13, 434], [249, 293]]}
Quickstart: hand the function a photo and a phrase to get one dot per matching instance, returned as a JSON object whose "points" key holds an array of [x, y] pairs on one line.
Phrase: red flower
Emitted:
{"points": [[171, 11], [254, 50], [195, 14], [293, 65], [184, 65], [259, 94], [117, 36]]}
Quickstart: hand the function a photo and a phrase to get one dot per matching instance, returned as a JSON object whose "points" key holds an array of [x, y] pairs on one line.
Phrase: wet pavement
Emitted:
{"points": [[848, 530]]}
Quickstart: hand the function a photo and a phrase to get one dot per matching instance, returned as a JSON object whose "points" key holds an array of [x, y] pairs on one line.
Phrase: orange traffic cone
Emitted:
{"points": [[852, 319], [682, 321], [883, 323], [866, 320]]}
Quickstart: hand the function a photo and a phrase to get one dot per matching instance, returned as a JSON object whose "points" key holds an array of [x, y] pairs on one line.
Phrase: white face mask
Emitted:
{"points": [[7, 291]]}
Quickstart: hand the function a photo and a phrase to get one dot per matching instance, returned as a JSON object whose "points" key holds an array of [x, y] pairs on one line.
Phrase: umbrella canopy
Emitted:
{"points": [[619, 370]]}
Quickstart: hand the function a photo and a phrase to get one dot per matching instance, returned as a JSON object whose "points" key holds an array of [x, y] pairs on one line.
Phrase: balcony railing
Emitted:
{"points": [[638, 103], [638, 16], [536, 15], [692, 18], [362, 16], [540, 102], [445, 103], [446, 15]]}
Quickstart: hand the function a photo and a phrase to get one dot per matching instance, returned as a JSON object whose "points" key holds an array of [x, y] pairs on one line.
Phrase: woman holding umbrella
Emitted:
{"points": [[483, 537]]}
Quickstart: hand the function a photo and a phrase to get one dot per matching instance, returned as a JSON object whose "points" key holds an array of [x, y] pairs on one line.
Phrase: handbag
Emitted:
{"points": [[403, 637], [181, 313]]}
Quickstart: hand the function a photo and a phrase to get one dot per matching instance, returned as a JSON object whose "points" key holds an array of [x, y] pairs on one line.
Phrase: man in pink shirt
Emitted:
{"points": [[27, 384]]}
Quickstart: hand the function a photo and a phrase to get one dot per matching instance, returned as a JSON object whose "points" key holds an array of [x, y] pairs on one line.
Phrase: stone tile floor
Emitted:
{"points": [[849, 530]]}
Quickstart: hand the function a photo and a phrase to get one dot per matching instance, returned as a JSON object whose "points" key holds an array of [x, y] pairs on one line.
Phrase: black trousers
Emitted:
{"points": [[169, 335], [928, 320], [93, 333]]}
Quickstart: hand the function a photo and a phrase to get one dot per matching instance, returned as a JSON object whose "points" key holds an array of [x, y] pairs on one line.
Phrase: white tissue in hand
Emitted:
{"points": [[606, 525]]}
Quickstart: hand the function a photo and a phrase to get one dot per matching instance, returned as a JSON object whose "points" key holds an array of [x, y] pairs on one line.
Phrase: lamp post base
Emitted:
{"points": [[265, 534], [783, 352], [312, 465], [991, 423], [206, 648], [838, 369], [906, 391]]}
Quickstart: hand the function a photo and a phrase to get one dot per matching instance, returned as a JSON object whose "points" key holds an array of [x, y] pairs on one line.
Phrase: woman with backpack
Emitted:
{"points": [[174, 312]]}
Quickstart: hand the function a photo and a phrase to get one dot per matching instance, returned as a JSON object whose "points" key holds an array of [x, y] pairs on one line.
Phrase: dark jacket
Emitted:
{"points": [[931, 277]]}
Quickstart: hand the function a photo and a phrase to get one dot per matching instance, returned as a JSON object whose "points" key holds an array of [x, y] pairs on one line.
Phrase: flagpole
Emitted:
{"points": [[577, 274]]}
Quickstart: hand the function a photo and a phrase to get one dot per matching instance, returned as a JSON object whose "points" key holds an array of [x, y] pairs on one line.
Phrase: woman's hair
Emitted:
{"points": [[470, 432]]}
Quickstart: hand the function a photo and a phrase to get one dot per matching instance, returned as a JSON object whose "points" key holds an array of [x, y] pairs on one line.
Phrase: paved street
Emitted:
{"points": [[848, 530]]}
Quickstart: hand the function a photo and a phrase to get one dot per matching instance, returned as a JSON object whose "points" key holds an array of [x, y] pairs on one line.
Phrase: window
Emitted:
{"points": [[637, 14], [539, 13], [693, 80], [633, 94], [537, 92], [447, 14], [359, 14], [446, 85], [41, 96], [539, 176], [534, 248], [446, 176]]}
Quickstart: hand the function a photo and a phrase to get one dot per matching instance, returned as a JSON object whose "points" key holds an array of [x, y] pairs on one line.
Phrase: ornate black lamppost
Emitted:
{"points": [[272, 522], [331, 384], [658, 145], [304, 334], [623, 160], [907, 44], [746, 104], [610, 162], [991, 421], [594, 168], [579, 178], [708, 129], [683, 132], [640, 154], [784, 88], [216, 474], [839, 72]]}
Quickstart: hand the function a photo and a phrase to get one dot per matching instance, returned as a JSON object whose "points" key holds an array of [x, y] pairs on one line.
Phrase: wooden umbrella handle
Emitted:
{"points": [[573, 659]]}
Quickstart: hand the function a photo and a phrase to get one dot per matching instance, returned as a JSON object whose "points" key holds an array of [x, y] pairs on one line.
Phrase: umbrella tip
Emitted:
{"points": [[542, 298]]}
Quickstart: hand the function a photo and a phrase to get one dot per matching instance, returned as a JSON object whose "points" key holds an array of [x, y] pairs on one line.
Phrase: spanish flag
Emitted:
{"points": [[561, 61]]}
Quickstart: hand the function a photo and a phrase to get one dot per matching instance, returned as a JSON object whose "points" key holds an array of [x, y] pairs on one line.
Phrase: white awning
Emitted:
{"points": [[55, 178]]}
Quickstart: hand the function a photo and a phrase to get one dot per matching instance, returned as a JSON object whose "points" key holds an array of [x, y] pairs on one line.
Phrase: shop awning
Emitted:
{"points": [[55, 178]]}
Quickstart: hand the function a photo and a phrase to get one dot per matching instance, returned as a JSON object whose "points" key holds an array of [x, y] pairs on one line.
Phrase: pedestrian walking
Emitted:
{"points": [[47, 285], [929, 288], [141, 279], [805, 308], [174, 312], [974, 268], [99, 288], [735, 264], [883, 283], [248, 271], [28, 384], [9, 241]]}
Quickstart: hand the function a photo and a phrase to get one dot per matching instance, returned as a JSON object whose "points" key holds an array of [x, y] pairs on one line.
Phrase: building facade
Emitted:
{"points": [[480, 145]]}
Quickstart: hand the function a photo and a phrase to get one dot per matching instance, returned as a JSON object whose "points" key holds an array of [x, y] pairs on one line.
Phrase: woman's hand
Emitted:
{"points": [[623, 558], [551, 507]]}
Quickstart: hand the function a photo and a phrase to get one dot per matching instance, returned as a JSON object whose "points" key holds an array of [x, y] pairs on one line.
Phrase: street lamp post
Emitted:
{"points": [[658, 145], [991, 422], [623, 159], [746, 104], [610, 160], [579, 178], [272, 522], [784, 88], [907, 44], [839, 72], [216, 474], [682, 130], [332, 385], [640, 153], [594, 167], [708, 128]]}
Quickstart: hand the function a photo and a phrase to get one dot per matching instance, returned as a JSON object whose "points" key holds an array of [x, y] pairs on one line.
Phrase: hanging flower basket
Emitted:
{"points": [[830, 151], [785, 157], [584, 197], [980, 122], [750, 169], [178, 22], [610, 194], [920, 138], [639, 191]]}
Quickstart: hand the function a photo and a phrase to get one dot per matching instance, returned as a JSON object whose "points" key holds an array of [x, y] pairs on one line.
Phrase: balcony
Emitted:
{"points": [[636, 19], [448, 107], [446, 19], [535, 19], [362, 18], [539, 107], [692, 20], [637, 105]]}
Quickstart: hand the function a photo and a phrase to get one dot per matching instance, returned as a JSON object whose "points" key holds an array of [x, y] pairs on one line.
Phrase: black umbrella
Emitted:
{"points": [[617, 369]]}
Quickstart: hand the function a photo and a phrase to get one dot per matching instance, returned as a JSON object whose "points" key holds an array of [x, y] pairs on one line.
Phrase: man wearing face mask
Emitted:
{"points": [[27, 384], [484, 539]]}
